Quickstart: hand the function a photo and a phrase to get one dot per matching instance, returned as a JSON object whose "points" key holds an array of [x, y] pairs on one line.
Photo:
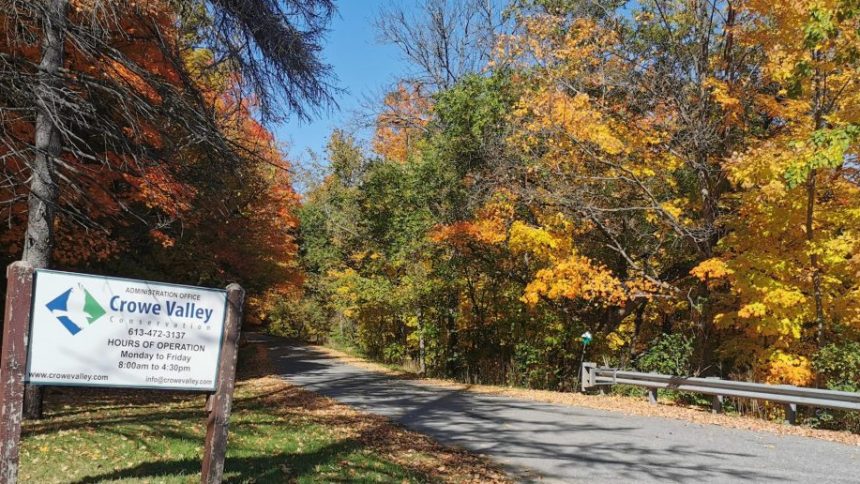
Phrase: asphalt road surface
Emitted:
{"points": [[556, 443]]}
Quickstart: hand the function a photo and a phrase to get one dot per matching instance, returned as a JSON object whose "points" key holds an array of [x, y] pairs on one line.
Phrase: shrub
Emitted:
{"points": [[394, 353], [839, 365], [529, 366], [669, 354]]}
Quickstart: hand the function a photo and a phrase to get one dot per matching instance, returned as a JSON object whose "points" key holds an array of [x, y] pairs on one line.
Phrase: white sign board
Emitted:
{"points": [[104, 331]]}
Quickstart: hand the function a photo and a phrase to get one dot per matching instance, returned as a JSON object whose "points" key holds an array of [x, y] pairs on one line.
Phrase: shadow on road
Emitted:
{"points": [[561, 442]]}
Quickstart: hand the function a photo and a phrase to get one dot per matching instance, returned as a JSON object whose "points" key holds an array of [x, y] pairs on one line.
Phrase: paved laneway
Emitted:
{"points": [[571, 444]]}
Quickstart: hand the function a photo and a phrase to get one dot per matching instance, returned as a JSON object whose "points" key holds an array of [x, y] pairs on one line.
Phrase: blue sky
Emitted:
{"points": [[364, 67]]}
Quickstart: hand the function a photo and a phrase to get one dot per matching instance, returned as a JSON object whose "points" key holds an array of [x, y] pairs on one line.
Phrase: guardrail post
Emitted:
{"points": [[717, 404], [716, 400], [652, 396], [586, 376], [791, 413]]}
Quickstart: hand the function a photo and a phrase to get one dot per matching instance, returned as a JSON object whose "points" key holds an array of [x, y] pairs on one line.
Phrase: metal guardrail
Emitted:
{"points": [[789, 395]]}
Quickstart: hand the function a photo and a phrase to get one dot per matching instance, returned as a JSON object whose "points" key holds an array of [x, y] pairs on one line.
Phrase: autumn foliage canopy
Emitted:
{"points": [[658, 173], [166, 171]]}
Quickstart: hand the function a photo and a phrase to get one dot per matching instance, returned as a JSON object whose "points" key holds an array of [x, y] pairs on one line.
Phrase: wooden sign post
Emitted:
{"points": [[221, 402], [155, 335], [16, 325]]}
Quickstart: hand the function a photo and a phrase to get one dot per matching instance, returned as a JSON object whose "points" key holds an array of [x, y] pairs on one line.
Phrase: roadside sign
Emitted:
{"points": [[586, 338], [105, 331], [64, 329]]}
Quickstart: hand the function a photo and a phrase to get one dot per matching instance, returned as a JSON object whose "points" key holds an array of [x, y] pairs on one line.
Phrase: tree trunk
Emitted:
{"points": [[42, 202], [638, 322], [818, 117], [451, 343], [422, 351], [813, 259]]}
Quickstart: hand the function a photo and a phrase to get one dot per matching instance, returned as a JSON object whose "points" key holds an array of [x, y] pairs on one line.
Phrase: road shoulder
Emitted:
{"points": [[615, 403]]}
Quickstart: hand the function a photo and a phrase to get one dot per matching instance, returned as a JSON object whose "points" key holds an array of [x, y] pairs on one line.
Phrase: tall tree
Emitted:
{"points": [[91, 97], [39, 237], [443, 40]]}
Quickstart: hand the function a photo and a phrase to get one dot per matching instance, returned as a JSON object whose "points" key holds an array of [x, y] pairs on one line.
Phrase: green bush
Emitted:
{"points": [[839, 365], [669, 354], [529, 366], [394, 353]]}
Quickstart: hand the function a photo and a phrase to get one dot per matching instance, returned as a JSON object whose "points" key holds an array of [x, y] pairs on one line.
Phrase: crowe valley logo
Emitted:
{"points": [[76, 308]]}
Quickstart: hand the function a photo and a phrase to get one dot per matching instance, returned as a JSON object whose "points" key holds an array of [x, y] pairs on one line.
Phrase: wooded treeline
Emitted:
{"points": [[678, 177]]}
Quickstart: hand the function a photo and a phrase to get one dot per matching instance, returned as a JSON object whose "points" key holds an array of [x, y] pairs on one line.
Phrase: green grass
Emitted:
{"points": [[277, 434]]}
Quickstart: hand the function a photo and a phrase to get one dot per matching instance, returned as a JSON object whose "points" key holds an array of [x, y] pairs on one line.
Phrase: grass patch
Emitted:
{"points": [[278, 433]]}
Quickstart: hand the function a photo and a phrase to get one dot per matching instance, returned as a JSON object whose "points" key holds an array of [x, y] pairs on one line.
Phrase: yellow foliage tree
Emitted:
{"points": [[791, 259], [589, 157]]}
